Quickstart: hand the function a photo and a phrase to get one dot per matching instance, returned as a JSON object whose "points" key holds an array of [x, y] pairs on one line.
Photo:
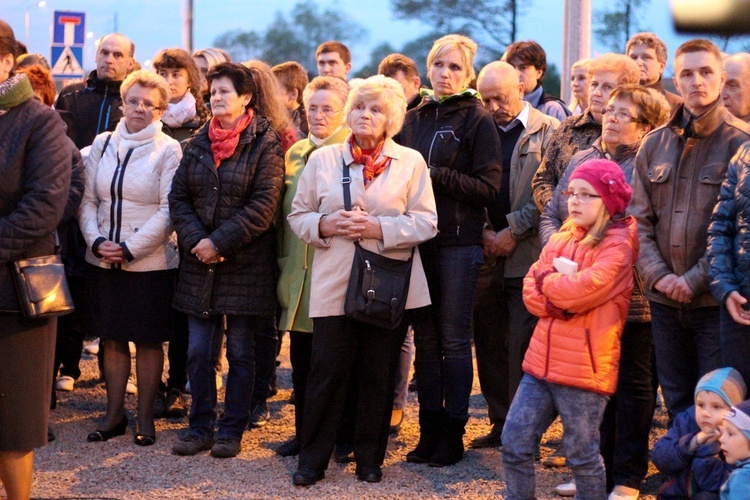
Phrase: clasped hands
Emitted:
{"points": [[206, 252], [675, 287], [350, 224], [111, 252], [498, 243]]}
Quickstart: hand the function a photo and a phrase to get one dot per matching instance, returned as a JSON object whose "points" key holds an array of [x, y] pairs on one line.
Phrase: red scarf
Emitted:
{"points": [[224, 142], [371, 169]]}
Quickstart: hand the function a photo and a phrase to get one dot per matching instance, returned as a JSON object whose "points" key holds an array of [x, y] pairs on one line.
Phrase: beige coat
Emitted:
{"points": [[401, 198]]}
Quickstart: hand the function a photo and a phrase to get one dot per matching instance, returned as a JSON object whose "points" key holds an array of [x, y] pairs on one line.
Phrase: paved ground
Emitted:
{"points": [[72, 468]]}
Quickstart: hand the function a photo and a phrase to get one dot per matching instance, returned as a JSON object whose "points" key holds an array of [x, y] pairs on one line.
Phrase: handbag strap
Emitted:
{"points": [[346, 181]]}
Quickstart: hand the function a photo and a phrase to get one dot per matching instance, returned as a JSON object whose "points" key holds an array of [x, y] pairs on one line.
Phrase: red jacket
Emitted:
{"points": [[577, 339]]}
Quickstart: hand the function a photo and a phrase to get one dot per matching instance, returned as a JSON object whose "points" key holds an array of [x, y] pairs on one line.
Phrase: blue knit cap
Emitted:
{"points": [[726, 382], [739, 415]]}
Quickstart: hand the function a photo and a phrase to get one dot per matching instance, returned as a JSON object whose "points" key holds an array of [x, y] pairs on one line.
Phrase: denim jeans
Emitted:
{"points": [[401, 390], [534, 408], [266, 347], [240, 331], [735, 344], [442, 331], [686, 342]]}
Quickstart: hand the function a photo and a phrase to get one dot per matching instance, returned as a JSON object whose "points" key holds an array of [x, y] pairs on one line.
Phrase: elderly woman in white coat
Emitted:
{"points": [[132, 249], [392, 211]]}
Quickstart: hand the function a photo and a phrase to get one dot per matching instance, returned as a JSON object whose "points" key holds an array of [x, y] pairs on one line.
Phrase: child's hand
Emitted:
{"points": [[707, 437]]}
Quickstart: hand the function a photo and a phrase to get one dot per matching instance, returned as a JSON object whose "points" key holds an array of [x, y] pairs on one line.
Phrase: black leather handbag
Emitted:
{"points": [[378, 286], [42, 287]]}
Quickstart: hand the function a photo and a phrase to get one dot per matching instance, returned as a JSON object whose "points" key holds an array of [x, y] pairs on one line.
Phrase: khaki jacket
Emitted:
{"points": [[675, 186], [523, 218], [401, 198]]}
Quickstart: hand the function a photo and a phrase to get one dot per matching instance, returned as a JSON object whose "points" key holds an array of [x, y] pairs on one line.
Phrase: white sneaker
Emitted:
{"points": [[131, 388], [92, 347], [65, 383], [566, 489], [623, 493]]}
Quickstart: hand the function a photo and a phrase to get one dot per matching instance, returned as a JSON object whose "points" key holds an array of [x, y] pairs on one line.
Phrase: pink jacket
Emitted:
{"points": [[577, 339]]}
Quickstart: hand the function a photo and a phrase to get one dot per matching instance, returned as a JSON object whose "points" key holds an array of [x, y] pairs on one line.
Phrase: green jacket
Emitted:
{"points": [[294, 256]]}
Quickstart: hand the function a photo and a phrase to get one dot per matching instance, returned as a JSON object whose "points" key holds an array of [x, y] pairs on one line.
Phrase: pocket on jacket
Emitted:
{"points": [[658, 174], [443, 148], [713, 173]]}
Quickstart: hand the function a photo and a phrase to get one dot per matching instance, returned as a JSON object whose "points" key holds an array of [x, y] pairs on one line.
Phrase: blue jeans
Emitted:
{"points": [[401, 390], [442, 331], [534, 408], [686, 343], [240, 331]]}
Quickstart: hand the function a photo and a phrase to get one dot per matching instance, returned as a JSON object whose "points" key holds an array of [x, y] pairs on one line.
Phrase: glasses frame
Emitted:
{"points": [[580, 197]]}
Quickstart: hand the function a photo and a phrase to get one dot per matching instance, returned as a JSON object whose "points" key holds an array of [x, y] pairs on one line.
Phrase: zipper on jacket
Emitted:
{"points": [[115, 207], [549, 346], [591, 350], [101, 110]]}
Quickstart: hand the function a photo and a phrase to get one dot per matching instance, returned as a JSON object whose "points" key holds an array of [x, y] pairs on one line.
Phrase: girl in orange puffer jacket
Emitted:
{"points": [[580, 288]]}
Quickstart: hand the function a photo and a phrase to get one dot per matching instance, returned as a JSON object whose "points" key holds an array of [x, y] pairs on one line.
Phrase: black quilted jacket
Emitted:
{"points": [[235, 206], [729, 232], [35, 168]]}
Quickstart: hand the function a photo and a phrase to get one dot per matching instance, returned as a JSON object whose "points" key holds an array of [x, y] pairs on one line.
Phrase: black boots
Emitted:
{"points": [[450, 448], [429, 436]]}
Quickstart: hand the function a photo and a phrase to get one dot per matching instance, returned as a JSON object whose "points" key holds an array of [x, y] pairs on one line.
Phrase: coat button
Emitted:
{"points": [[205, 314], [210, 271], [215, 188]]}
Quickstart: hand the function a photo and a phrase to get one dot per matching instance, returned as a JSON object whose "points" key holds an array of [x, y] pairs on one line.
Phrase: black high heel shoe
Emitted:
{"points": [[101, 436]]}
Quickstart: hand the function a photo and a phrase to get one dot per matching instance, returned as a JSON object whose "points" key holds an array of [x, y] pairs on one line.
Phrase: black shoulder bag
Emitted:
{"points": [[42, 286], [378, 286]]}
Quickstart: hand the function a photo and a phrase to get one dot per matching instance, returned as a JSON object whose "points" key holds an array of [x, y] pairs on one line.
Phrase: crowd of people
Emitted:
{"points": [[586, 252]]}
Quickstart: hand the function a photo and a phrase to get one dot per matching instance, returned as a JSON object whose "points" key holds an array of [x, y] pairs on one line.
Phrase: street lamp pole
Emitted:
{"points": [[27, 19]]}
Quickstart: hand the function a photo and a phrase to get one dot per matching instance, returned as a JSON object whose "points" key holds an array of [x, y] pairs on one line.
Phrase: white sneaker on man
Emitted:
{"points": [[92, 347], [65, 383], [566, 489], [623, 493], [132, 387]]}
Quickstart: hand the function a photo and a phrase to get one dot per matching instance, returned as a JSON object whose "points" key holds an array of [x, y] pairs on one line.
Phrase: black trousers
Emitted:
{"points": [[627, 419], [502, 332], [345, 351]]}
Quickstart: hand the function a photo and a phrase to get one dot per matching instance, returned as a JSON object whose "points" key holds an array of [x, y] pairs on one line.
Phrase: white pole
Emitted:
{"points": [[187, 25], [576, 39]]}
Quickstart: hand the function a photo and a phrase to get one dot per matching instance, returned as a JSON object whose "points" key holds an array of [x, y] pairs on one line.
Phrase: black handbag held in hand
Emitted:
{"points": [[378, 286]]}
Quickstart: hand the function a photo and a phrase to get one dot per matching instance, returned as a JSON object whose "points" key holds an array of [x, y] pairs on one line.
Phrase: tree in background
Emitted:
{"points": [[617, 26], [493, 24], [294, 37]]}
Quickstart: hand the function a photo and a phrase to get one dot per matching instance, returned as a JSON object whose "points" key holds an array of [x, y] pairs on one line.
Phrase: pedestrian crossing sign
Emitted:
{"points": [[67, 62]]}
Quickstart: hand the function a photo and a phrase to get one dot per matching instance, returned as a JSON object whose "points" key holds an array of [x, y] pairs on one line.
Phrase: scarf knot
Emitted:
{"points": [[371, 169], [177, 114], [224, 141]]}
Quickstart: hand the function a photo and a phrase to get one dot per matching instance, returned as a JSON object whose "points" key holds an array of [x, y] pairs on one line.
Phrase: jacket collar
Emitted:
{"points": [[621, 152], [96, 84], [703, 125], [657, 86], [585, 119], [336, 138]]}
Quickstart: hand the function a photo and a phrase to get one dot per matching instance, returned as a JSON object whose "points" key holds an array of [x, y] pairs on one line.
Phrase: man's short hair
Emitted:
{"points": [[334, 46], [393, 63], [131, 45], [651, 41], [530, 52], [698, 45], [292, 75]]}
